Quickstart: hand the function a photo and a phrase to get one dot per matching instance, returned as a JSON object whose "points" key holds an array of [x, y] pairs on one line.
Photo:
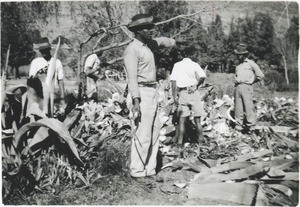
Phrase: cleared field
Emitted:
{"points": [[223, 81]]}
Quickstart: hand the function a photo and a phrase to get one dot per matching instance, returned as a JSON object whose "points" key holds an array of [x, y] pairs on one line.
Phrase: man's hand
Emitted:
{"points": [[192, 89], [136, 110], [62, 107]]}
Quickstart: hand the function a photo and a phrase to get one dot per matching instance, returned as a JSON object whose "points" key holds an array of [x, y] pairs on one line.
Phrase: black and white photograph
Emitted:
{"points": [[161, 102]]}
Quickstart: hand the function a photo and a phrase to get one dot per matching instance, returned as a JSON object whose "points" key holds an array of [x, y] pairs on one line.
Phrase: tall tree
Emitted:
{"points": [[16, 33], [216, 45], [263, 46], [288, 47]]}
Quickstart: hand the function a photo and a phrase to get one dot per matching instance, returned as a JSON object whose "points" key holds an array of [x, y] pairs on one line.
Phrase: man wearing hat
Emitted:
{"points": [[142, 86], [39, 68], [247, 73]]}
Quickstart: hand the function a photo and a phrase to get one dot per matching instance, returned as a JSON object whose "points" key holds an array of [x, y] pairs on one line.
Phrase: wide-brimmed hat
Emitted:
{"points": [[42, 44], [140, 21], [241, 49]]}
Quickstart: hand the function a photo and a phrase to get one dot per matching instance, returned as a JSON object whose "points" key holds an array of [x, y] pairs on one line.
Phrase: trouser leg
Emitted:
{"points": [[140, 148], [238, 108], [153, 151], [249, 106]]}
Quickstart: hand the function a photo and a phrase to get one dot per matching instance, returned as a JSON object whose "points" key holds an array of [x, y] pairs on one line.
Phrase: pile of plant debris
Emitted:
{"points": [[42, 154], [260, 168]]}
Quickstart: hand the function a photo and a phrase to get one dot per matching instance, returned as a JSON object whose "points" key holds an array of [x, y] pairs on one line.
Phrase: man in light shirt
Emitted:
{"points": [[93, 73], [186, 77], [247, 73], [142, 86], [40, 66]]}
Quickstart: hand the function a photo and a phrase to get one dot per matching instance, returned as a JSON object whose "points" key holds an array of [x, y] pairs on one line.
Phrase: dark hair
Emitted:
{"points": [[36, 84]]}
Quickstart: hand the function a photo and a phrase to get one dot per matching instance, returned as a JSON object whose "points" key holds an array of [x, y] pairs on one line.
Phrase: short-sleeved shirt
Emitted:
{"points": [[187, 73], [40, 63], [247, 72], [92, 62]]}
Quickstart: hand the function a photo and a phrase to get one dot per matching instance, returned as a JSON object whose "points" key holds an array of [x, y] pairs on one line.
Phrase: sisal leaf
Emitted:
{"points": [[236, 175], [249, 156], [287, 191], [41, 134], [54, 125], [240, 193]]}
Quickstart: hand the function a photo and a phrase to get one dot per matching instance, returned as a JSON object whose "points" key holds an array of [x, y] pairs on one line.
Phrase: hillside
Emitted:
{"points": [[74, 20], [229, 10], [77, 20]]}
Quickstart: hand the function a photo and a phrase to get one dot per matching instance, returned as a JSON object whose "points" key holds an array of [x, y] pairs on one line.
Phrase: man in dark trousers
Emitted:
{"points": [[142, 86], [246, 74]]}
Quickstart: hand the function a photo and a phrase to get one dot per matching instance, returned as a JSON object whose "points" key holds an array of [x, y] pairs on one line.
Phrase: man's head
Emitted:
{"points": [[241, 52], [141, 24], [99, 54], [44, 47], [187, 51]]}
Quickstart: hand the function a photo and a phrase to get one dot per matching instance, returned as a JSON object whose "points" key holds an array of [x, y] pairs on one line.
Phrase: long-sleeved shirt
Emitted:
{"points": [[247, 72], [140, 64]]}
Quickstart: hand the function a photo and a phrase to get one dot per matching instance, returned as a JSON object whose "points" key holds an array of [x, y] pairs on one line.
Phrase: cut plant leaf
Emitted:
{"points": [[240, 193], [249, 156], [287, 191], [54, 125]]}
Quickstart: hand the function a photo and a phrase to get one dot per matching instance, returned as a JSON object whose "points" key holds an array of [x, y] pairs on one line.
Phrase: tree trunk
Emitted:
{"points": [[286, 71]]}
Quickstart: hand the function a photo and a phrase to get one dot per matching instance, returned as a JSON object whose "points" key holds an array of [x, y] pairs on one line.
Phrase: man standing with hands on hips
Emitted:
{"points": [[142, 86], [246, 74], [186, 77]]}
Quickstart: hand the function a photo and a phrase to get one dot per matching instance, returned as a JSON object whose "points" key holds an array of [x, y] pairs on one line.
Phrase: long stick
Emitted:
{"points": [[3, 85]]}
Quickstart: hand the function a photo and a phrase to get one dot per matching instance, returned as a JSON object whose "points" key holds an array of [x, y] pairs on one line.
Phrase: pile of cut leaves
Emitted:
{"points": [[259, 168]]}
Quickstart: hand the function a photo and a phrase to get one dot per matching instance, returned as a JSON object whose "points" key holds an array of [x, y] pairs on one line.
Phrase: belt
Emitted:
{"points": [[148, 84], [186, 88], [183, 89], [243, 84]]}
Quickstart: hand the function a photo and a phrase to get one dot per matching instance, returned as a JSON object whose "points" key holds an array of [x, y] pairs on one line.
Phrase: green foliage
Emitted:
{"points": [[15, 31]]}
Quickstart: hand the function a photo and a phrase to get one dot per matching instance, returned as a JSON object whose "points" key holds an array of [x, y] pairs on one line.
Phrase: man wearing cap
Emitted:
{"points": [[142, 86], [246, 74], [40, 65], [186, 77]]}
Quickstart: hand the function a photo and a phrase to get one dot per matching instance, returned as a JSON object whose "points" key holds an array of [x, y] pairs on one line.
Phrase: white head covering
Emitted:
{"points": [[37, 64]]}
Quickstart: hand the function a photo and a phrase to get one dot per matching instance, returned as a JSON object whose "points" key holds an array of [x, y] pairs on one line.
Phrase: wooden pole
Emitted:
{"points": [[3, 85]]}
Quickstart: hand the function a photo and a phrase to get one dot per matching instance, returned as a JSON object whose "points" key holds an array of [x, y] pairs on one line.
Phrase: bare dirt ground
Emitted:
{"points": [[119, 188]]}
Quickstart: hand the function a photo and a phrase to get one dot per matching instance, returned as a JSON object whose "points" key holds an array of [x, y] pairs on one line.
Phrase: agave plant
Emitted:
{"points": [[26, 132]]}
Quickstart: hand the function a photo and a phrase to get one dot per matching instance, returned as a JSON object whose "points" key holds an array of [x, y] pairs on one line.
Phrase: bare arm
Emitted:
{"points": [[61, 86], [200, 81]]}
